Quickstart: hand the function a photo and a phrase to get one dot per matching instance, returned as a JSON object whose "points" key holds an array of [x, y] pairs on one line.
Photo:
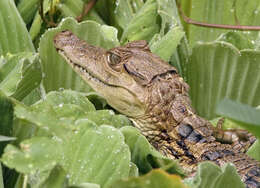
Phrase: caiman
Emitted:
{"points": [[150, 92]]}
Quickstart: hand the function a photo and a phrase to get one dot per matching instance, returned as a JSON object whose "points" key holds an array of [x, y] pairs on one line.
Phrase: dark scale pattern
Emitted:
{"points": [[251, 180], [184, 130], [191, 156], [187, 153], [173, 152], [164, 136], [211, 155], [254, 172], [194, 137], [228, 152]]}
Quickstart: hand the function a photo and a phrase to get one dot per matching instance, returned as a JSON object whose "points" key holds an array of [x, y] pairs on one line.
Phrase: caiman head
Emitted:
{"points": [[124, 76]]}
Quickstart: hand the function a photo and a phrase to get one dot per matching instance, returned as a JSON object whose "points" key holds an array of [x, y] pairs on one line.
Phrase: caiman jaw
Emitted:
{"points": [[82, 71], [90, 63]]}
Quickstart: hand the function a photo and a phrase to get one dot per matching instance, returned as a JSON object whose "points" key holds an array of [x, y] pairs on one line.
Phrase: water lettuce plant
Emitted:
{"points": [[56, 132]]}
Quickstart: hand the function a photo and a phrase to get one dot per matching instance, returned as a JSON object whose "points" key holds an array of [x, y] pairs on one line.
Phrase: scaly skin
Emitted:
{"points": [[150, 92]]}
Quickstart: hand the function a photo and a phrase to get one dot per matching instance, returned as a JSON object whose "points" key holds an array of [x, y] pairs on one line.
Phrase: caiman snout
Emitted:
{"points": [[63, 38]]}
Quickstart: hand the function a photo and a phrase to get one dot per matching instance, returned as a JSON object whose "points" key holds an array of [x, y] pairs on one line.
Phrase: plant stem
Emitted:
{"points": [[25, 181], [87, 7]]}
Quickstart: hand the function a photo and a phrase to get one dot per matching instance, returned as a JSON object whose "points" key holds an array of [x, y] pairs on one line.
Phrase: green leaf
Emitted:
{"points": [[244, 115], [6, 120], [71, 8], [69, 97], [19, 179], [140, 148], [1, 177], [34, 96], [88, 153], [239, 40], [35, 28], [20, 74], [254, 150], [232, 12], [96, 155], [6, 117], [57, 73], [23, 130], [206, 175], [229, 178], [218, 70], [143, 25], [58, 112], [70, 106], [210, 175], [36, 154], [27, 9], [47, 121], [169, 14], [120, 11], [37, 25], [108, 117], [133, 170], [144, 155], [14, 37], [74, 8], [155, 179], [165, 46], [56, 178], [170, 20]]}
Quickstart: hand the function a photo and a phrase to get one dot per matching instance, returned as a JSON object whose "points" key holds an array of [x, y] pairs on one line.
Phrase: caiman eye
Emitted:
{"points": [[113, 59]]}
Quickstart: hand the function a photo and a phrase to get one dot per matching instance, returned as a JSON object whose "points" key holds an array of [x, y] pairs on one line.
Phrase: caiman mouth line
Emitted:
{"points": [[83, 70]]}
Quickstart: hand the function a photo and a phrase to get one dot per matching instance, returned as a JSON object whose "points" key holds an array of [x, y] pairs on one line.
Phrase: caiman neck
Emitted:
{"points": [[168, 106], [172, 127]]}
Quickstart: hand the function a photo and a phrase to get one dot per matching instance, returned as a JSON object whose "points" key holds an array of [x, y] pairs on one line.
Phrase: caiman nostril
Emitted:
{"points": [[64, 31]]}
